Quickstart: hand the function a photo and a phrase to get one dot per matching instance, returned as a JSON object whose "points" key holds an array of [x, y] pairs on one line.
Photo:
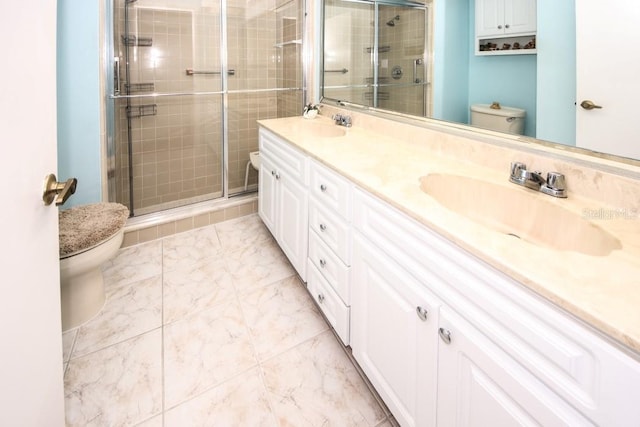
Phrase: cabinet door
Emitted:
{"points": [[392, 342], [480, 385], [267, 194], [520, 16], [489, 17], [293, 222]]}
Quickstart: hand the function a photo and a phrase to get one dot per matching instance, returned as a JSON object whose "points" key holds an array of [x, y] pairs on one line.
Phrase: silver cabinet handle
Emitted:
{"points": [[506, 26], [499, 27], [321, 298], [323, 263], [323, 187], [273, 173], [445, 334], [277, 175], [422, 313], [323, 227]]}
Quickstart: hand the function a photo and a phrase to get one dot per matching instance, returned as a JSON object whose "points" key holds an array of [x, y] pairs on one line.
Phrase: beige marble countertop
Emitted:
{"points": [[603, 291]]}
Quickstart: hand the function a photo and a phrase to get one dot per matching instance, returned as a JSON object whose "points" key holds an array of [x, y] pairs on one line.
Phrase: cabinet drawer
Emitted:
{"points": [[334, 231], [329, 302], [283, 156], [331, 267], [330, 189]]}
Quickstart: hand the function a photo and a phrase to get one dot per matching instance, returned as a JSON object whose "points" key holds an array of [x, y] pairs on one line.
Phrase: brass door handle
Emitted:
{"points": [[60, 191], [589, 105]]}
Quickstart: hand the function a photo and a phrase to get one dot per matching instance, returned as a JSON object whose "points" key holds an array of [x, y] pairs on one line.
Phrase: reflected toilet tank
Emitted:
{"points": [[503, 119]]}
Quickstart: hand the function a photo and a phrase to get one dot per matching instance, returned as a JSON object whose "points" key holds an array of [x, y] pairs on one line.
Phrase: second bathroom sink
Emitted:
{"points": [[519, 213]]}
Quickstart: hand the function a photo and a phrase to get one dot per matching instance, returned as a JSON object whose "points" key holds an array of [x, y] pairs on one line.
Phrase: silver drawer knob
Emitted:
{"points": [[323, 187], [422, 313], [320, 298], [323, 263], [445, 334], [323, 227]]}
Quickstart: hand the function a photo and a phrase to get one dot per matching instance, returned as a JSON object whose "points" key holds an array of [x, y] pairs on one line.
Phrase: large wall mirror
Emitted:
{"points": [[425, 59]]}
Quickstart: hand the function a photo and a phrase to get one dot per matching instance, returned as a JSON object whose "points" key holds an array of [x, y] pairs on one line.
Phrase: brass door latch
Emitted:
{"points": [[60, 191]]}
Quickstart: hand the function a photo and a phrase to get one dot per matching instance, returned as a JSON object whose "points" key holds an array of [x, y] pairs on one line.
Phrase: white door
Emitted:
{"points": [[293, 221], [608, 73], [31, 387]]}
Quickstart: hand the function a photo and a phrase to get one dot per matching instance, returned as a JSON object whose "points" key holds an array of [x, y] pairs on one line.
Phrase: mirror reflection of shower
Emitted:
{"points": [[391, 22]]}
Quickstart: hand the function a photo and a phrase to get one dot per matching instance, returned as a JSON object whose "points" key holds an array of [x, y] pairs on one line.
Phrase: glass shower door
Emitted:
{"points": [[168, 104], [265, 46]]}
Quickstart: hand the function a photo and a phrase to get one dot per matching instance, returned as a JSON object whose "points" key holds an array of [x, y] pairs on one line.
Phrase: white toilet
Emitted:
{"points": [[90, 235], [498, 118]]}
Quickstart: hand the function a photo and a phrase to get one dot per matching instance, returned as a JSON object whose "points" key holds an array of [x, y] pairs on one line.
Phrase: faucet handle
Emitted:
{"points": [[517, 168], [555, 180]]}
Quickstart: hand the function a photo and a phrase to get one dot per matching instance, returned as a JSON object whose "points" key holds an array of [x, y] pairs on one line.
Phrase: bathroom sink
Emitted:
{"points": [[321, 130], [518, 212]]}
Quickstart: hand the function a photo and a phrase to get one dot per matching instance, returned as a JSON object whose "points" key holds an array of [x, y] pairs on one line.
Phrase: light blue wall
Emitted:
{"points": [[461, 78], [451, 60], [510, 80], [557, 71], [79, 98]]}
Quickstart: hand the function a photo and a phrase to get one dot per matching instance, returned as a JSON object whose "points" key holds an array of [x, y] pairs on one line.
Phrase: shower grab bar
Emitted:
{"points": [[343, 71], [417, 62], [191, 72]]}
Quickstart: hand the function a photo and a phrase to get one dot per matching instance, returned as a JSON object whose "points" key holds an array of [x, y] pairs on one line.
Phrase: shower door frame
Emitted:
{"points": [[108, 71]]}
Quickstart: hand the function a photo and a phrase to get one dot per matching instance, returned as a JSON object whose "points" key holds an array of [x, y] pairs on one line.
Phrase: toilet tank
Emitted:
{"points": [[505, 119]]}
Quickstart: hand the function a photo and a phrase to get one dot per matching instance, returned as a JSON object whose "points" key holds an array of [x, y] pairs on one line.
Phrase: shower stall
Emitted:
{"points": [[188, 80]]}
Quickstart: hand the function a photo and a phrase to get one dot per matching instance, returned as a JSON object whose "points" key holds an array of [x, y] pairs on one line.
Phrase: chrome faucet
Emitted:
{"points": [[342, 120], [554, 185]]}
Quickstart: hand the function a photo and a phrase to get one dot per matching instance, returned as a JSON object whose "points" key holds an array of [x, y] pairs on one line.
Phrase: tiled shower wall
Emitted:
{"points": [[177, 152]]}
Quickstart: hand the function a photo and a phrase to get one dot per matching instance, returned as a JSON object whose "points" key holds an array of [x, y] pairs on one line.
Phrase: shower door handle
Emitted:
{"points": [[417, 62], [116, 75]]}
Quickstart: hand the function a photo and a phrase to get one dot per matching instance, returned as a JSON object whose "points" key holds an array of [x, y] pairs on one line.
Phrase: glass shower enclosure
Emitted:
{"points": [[188, 81]]}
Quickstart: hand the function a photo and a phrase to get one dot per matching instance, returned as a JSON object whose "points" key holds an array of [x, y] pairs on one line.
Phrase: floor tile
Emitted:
{"points": [[197, 287], [156, 421], [119, 385], [242, 232], [189, 247], [315, 384], [130, 310], [133, 264], [281, 316], [241, 401], [68, 338], [258, 265], [204, 350]]}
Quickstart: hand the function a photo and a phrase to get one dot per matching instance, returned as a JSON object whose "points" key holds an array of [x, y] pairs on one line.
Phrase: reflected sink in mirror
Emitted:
{"points": [[519, 212], [321, 130]]}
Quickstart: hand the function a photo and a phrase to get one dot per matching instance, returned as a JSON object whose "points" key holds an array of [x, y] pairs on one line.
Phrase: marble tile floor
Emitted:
{"points": [[211, 327]]}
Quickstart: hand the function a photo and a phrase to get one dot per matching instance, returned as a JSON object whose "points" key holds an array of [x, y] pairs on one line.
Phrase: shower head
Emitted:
{"points": [[392, 22]]}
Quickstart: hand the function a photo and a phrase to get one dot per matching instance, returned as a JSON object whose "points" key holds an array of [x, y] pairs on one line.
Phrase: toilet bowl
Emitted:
{"points": [[90, 235]]}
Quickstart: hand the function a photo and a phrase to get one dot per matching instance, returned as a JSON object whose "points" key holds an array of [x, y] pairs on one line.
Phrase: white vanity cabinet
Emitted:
{"points": [[330, 246], [283, 197], [504, 355], [505, 17]]}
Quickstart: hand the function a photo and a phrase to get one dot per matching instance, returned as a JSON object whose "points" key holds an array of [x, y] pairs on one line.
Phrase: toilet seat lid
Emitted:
{"points": [[86, 226]]}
